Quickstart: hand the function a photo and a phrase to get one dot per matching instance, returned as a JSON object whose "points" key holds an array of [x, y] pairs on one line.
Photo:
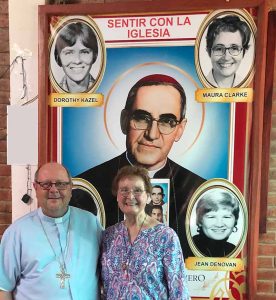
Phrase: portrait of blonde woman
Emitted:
{"points": [[217, 215]]}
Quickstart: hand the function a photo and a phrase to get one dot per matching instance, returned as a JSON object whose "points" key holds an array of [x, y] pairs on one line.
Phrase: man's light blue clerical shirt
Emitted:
{"points": [[28, 264]]}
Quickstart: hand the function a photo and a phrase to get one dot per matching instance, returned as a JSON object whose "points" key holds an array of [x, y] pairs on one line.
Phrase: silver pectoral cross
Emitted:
{"points": [[62, 276]]}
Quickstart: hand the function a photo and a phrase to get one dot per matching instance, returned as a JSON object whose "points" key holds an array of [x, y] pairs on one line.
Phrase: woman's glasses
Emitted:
{"points": [[136, 192], [220, 50]]}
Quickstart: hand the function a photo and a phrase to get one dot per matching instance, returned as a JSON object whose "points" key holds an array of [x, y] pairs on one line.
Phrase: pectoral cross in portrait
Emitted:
{"points": [[62, 276]]}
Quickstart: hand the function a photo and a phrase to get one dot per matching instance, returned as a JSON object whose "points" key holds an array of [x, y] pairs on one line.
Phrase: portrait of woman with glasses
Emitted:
{"points": [[227, 41]]}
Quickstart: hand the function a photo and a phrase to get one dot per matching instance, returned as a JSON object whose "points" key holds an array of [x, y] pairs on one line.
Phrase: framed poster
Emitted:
{"points": [[128, 84]]}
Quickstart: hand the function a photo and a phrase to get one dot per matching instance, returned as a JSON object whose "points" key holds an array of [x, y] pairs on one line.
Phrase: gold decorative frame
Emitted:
{"points": [[93, 26], [243, 15], [84, 185], [218, 183]]}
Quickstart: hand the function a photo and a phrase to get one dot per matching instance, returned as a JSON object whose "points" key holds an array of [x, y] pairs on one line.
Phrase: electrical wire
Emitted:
{"points": [[24, 78]]}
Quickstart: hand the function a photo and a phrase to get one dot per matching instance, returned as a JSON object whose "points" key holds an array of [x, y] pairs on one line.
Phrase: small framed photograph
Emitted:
{"points": [[158, 204]]}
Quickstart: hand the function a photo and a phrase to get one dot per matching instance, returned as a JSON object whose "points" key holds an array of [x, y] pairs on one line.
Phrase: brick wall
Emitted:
{"points": [[5, 171], [267, 244]]}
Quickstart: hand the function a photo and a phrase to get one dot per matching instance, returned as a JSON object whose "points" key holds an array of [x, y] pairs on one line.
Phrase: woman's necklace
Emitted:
{"points": [[125, 264], [62, 275]]}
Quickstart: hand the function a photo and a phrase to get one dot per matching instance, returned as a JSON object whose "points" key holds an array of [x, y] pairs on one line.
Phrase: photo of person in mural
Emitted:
{"points": [[227, 41], [217, 214], [157, 203], [156, 211], [157, 195], [76, 50], [153, 119]]}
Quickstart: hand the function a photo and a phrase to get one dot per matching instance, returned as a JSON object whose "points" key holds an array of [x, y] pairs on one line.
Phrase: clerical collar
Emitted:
{"points": [[54, 220], [151, 172]]}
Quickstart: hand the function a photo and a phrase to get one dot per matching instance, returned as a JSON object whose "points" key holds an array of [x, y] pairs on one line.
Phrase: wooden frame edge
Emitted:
{"points": [[256, 154], [270, 62]]}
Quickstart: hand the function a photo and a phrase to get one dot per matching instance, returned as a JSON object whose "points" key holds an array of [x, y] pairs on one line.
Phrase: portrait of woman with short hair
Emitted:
{"points": [[227, 42], [217, 219], [225, 49], [77, 55], [76, 50], [217, 214]]}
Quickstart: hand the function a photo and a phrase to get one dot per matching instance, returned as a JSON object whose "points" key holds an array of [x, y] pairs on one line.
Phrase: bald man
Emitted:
{"points": [[52, 252]]}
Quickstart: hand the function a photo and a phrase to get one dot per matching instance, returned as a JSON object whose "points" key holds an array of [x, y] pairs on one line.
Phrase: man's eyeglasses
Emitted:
{"points": [[220, 50], [136, 192], [60, 185], [142, 120]]}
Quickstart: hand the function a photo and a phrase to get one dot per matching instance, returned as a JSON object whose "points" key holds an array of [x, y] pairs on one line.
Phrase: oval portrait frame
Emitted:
{"points": [[100, 61], [225, 185], [244, 16], [82, 184]]}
